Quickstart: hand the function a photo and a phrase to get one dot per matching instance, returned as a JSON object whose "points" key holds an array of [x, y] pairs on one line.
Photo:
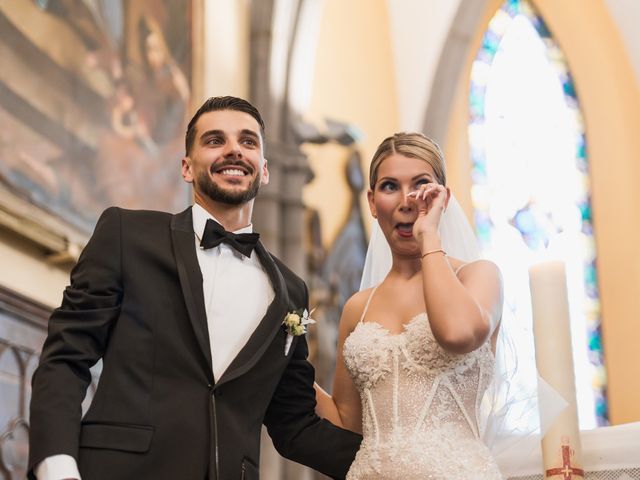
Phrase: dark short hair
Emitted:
{"points": [[214, 104]]}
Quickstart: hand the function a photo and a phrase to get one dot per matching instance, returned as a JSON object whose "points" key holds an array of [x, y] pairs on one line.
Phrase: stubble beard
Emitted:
{"points": [[216, 193]]}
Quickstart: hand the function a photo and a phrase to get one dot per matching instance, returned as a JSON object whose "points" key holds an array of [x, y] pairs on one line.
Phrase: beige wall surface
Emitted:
{"points": [[354, 82], [226, 52], [626, 15], [24, 269], [419, 29]]}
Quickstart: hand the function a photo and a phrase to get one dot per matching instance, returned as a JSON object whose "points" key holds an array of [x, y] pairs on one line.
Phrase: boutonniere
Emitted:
{"points": [[295, 324]]}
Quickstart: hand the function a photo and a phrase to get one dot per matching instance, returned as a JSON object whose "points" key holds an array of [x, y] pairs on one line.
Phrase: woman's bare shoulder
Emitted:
{"points": [[353, 308]]}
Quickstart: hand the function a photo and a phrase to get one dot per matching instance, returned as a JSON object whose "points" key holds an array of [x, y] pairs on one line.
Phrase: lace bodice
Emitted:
{"points": [[420, 405]]}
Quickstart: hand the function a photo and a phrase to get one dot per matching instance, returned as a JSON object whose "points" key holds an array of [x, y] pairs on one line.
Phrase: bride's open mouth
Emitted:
{"points": [[405, 229]]}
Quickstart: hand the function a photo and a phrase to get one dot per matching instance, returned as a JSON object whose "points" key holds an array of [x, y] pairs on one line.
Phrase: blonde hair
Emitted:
{"points": [[413, 145]]}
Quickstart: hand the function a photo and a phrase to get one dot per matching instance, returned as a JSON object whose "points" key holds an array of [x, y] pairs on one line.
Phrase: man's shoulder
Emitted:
{"points": [[136, 222], [139, 217], [137, 214]]}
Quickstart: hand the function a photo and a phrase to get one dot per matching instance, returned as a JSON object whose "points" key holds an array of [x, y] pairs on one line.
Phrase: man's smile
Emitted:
{"points": [[236, 172], [228, 169]]}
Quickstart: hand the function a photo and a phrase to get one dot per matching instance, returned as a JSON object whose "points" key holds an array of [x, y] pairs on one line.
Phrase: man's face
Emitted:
{"points": [[226, 163]]}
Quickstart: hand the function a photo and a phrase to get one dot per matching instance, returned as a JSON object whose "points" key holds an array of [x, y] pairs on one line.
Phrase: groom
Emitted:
{"points": [[187, 318]]}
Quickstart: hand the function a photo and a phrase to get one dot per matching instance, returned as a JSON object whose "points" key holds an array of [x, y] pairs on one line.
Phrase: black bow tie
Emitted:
{"points": [[214, 234]]}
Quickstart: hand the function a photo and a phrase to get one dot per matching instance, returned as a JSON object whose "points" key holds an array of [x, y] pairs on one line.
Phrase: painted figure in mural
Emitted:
{"points": [[188, 320], [112, 106], [415, 349]]}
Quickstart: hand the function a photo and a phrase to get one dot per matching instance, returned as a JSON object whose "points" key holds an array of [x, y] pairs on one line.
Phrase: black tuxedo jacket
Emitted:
{"points": [[136, 301]]}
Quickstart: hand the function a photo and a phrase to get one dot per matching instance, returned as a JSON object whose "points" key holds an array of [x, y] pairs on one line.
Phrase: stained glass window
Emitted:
{"points": [[530, 193]]}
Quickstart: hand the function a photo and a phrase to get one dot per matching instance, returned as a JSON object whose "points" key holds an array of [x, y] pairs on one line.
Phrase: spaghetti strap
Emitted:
{"points": [[457, 270], [366, 307]]}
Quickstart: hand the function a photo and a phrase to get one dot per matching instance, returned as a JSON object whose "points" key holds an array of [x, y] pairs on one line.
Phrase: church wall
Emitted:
{"points": [[610, 102], [226, 39], [25, 270], [626, 15], [419, 29], [353, 82]]}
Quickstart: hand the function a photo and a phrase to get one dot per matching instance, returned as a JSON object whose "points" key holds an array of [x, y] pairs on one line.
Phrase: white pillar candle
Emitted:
{"points": [[561, 451]]}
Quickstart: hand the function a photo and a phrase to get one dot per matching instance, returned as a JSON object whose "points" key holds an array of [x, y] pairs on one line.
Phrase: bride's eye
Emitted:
{"points": [[423, 181], [387, 186]]}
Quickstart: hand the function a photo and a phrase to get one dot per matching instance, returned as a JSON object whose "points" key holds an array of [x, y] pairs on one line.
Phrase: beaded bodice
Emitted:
{"points": [[420, 404]]}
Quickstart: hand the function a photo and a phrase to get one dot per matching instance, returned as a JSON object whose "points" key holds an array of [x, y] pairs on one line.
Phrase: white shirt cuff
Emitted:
{"points": [[57, 467]]}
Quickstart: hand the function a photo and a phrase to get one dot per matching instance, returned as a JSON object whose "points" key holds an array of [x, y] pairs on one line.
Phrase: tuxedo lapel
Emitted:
{"points": [[191, 277], [269, 325]]}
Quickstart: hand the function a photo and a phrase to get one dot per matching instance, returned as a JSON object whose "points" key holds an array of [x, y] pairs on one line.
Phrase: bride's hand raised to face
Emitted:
{"points": [[430, 200]]}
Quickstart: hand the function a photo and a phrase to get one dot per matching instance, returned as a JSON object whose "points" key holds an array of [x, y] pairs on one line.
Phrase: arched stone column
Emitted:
{"points": [[275, 31], [451, 66]]}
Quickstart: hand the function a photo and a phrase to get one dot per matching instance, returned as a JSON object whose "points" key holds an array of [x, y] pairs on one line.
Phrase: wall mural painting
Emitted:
{"points": [[94, 98]]}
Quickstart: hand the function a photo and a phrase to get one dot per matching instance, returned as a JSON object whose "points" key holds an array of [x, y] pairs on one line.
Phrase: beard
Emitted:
{"points": [[219, 194]]}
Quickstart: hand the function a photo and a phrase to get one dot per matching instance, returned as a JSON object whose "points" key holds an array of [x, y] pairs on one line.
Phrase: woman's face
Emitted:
{"points": [[397, 176]]}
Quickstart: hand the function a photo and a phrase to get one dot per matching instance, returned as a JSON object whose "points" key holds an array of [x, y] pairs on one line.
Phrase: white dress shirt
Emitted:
{"points": [[237, 293]]}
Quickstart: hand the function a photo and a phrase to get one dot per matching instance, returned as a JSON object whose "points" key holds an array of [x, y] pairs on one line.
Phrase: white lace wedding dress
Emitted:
{"points": [[420, 405]]}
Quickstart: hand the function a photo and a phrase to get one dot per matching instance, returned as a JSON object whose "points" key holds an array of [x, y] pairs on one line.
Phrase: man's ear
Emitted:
{"points": [[372, 207], [187, 173], [264, 179]]}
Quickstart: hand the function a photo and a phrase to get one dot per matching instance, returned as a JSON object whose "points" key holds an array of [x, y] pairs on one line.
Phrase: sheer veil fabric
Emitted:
{"points": [[509, 409], [456, 235]]}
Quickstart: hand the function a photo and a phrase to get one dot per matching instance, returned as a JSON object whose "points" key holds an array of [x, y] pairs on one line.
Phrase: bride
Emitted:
{"points": [[415, 351]]}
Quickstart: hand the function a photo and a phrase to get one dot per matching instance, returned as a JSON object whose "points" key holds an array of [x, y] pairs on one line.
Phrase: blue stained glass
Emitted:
{"points": [[595, 343], [581, 151], [490, 43], [541, 28], [535, 219], [585, 211], [512, 6], [569, 89], [477, 105], [485, 57], [590, 273]]}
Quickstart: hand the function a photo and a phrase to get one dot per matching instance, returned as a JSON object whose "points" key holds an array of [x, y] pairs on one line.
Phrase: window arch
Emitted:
{"points": [[530, 183]]}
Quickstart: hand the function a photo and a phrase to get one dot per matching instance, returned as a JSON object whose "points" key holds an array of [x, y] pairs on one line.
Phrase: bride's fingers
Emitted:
{"points": [[430, 190], [422, 189], [437, 190], [427, 194]]}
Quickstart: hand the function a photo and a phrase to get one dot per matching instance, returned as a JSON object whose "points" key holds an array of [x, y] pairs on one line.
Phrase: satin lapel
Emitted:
{"points": [[191, 277], [268, 327]]}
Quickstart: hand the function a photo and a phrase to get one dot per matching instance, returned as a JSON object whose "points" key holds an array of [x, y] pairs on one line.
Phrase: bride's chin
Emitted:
{"points": [[404, 253]]}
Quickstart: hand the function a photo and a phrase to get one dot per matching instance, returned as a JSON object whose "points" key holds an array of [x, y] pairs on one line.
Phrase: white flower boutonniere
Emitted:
{"points": [[295, 324]]}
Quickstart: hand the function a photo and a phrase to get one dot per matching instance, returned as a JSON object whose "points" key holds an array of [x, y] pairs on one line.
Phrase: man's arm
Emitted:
{"points": [[297, 432], [78, 332]]}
